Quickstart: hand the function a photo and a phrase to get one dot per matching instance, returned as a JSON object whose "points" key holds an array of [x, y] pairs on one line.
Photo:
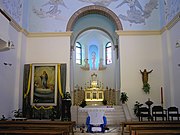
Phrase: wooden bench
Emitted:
{"points": [[136, 129], [130, 123], [159, 132], [31, 126], [30, 132]]}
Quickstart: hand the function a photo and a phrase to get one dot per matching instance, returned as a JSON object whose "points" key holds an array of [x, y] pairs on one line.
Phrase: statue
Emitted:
{"points": [[86, 66], [101, 66], [145, 76], [146, 86], [93, 60]]}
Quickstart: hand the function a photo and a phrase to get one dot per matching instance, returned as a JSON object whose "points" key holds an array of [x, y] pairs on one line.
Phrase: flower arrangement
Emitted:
{"points": [[146, 88], [123, 97]]}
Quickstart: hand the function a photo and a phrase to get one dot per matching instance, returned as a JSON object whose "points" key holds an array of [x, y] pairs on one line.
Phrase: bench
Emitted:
{"points": [[159, 132], [136, 129], [30, 132], [31, 126], [130, 123]]}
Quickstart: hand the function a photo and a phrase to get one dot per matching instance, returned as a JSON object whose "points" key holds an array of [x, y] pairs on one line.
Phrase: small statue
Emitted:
{"points": [[101, 66], [86, 66]]}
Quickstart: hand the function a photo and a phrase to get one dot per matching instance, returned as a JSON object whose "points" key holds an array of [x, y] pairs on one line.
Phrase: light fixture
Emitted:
{"points": [[177, 43], [7, 64], [11, 45]]}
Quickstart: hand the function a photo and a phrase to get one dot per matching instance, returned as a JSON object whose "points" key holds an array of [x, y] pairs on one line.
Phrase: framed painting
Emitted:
{"points": [[44, 85]]}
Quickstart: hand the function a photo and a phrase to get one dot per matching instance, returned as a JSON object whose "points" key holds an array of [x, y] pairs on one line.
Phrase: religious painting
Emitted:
{"points": [[44, 84]]}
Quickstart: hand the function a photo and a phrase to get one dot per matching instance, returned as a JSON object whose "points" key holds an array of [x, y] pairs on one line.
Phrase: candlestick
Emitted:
{"points": [[161, 95]]}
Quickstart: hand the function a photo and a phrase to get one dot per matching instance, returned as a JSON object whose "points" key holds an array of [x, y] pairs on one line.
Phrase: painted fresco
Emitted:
{"points": [[172, 7], [53, 15], [14, 8]]}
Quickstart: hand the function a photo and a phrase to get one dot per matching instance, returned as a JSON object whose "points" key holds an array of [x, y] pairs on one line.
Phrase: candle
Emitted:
{"points": [[161, 95]]}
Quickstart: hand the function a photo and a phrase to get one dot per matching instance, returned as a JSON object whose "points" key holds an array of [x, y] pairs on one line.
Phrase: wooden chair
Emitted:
{"points": [[144, 112], [158, 111], [173, 112]]}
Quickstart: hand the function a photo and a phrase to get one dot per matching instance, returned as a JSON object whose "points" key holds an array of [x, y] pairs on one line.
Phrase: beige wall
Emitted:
{"points": [[49, 50], [137, 53]]}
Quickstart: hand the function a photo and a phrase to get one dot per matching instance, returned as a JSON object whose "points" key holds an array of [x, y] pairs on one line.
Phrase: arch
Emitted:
{"points": [[94, 9], [97, 28]]}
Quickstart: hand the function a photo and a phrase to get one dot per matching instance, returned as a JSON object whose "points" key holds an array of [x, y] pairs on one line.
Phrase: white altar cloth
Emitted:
{"points": [[96, 113]]}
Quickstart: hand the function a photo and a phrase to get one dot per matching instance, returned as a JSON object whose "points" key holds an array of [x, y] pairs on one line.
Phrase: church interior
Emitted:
{"points": [[89, 66]]}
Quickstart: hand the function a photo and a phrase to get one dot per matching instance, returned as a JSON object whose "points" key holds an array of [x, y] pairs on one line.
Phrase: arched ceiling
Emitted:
{"points": [[93, 36]]}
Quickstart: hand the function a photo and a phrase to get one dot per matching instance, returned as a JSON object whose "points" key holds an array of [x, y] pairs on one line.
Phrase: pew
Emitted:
{"points": [[30, 132], [32, 126], [155, 128], [158, 132], [149, 123]]}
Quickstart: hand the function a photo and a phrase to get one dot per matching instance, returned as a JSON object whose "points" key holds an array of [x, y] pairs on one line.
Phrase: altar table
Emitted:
{"points": [[96, 113]]}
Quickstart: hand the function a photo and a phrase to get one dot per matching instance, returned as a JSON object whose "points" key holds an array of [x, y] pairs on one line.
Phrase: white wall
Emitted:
{"points": [[9, 75], [49, 50], [174, 38], [171, 59], [139, 53]]}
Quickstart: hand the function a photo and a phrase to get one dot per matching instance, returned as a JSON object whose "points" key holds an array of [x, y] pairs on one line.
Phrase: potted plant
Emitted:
{"points": [[83, 104], [123, 97], [104, 102], [17, 113], [146, 88], [137, 105]]}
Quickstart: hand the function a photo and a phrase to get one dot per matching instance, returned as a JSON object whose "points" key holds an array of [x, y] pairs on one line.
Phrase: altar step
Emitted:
{"points": [[113, 117]]}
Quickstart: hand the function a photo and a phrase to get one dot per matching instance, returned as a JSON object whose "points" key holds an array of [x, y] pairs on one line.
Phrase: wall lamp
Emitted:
{"points": [[7, 64], [177, 43]]}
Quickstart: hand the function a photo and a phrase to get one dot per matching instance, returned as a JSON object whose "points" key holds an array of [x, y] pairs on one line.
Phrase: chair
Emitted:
{"points": [[144, 112], [158, 111], [173, 112]]}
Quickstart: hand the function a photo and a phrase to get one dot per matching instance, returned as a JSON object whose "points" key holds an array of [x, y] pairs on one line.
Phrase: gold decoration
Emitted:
{"points": [[59, 81], [29, 81], [42, 107]]}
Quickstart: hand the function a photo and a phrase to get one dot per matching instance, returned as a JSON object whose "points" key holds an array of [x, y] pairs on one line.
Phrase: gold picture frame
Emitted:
{"points": [[44, 85]]}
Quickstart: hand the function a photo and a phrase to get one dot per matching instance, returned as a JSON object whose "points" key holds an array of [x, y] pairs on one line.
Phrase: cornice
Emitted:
{"points": [[138, 33], [50, 34], [171, 23]]}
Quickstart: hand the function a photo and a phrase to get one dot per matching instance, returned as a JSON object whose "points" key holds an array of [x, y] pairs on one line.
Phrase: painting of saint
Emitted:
{"points": [[44, 84]]}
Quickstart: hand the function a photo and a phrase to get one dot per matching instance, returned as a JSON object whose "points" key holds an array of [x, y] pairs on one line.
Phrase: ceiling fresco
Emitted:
{"points": [[14, 8], [53, 15]]}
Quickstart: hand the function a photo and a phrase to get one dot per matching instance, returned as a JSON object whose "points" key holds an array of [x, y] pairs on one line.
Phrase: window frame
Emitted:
{"points": [[79, 46], [107, 47]]}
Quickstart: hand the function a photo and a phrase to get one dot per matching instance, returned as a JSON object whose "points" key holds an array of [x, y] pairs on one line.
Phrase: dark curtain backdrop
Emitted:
{"points": [[43, 113]]}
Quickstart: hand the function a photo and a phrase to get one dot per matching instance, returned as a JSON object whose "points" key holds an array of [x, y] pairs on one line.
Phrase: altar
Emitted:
{"points": [[95, 92], [96, 113]]}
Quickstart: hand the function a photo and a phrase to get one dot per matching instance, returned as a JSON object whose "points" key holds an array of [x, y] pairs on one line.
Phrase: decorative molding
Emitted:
{"points": [[94, 9], [138, 33], [50, 34], [173, 21]]}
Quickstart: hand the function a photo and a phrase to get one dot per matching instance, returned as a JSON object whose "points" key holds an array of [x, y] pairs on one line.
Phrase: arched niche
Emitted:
{"points": [[104, 22]]}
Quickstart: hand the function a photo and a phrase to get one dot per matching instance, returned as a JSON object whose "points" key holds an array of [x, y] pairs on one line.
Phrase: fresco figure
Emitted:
{"points": [[93, 56]]}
